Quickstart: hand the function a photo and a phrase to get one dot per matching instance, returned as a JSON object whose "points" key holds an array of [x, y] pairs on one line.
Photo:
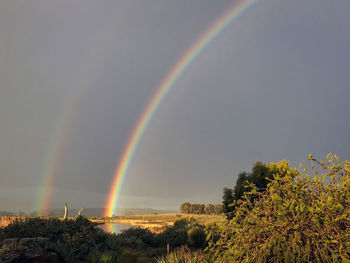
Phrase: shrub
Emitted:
{"points": [[177, 235], [73, 239], [136, 237], [299, 218], [96, 256], [197, 237], [184, 255]]}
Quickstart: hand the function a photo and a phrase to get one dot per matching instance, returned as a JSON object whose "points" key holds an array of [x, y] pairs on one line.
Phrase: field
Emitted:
{"points": [[157, 222]]}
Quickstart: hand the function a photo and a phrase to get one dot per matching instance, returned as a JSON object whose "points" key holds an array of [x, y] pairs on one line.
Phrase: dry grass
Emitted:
{"points": [[202, 219], [157, 222]]}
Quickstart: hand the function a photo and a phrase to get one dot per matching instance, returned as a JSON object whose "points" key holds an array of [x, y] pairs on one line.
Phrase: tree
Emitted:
{"points": [[300, 217], [209, 209], [228, 202], [218, 209], [202, 207], [185, 208], [197, 208], [260, 176], [240, 185]]}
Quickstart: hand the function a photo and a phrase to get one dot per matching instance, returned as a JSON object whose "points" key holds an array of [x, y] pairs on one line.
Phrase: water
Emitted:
{"points": [[115, 227]]}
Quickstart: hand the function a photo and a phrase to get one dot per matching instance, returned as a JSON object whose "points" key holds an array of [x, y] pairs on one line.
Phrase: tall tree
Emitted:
{"points": [[260, 176], [228, 202]]}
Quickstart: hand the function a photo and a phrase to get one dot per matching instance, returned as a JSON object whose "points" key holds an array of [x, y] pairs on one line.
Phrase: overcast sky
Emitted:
{"points": [[76, 75]]}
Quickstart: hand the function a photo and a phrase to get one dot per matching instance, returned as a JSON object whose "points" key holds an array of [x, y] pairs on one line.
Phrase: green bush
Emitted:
{"points": [[197, 237], [299, 218], [73, 239], [177, 235], [136, 237], [184, 255], [96, 256]]}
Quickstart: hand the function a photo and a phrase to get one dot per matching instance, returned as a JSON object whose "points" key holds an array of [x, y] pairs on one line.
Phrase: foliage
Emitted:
{"points": [[184, 255], [280, 215], [209, 209], [75, 240], [96, 256], [260, 176], [183, 232], [185, 208], [136, 237], [81, 241], [176, 235], [227, 202], [218, 209], [299, 218], [197, 237]]}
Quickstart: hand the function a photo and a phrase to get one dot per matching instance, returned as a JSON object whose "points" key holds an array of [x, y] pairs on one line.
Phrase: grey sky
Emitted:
{"points": [[274, 84]]}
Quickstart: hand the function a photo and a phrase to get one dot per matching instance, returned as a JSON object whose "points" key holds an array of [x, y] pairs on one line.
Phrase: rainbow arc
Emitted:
{"points": [[174, 74]]}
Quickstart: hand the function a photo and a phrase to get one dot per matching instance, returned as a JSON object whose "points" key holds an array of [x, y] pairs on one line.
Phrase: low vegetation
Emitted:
{"points": [[80, 240], [184, 255], [297, 217], [76, 240], [277, 214]]}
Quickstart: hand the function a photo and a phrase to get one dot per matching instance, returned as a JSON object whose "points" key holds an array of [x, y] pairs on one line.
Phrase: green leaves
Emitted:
{"points": [[299, 218]]}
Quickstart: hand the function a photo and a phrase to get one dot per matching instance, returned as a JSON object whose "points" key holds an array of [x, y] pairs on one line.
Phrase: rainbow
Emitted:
{"points": [[175, 73], [59, 140]]}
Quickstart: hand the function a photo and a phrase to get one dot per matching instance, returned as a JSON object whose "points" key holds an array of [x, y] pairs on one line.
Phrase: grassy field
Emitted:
{"points": [[171, 218], [157, 222]]}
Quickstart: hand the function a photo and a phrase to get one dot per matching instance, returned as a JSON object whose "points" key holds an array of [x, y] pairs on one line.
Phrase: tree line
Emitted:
{"points": [[199, 209]]}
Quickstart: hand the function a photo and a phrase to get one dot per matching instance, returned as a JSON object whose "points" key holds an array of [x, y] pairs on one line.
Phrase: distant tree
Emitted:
{"points": [[209, 209], [202, 207], [218, 209], [197, 209], [185, 208]]}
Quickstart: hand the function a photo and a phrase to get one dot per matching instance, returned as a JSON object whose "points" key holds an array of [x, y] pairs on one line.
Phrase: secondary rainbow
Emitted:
{"points": [[175, 73], [100, 44]]}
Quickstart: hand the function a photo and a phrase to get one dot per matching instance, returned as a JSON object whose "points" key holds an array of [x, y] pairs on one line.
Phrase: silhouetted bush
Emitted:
{"points": [[197, 237], [75, 239], [177, 235], [136, 238]]}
